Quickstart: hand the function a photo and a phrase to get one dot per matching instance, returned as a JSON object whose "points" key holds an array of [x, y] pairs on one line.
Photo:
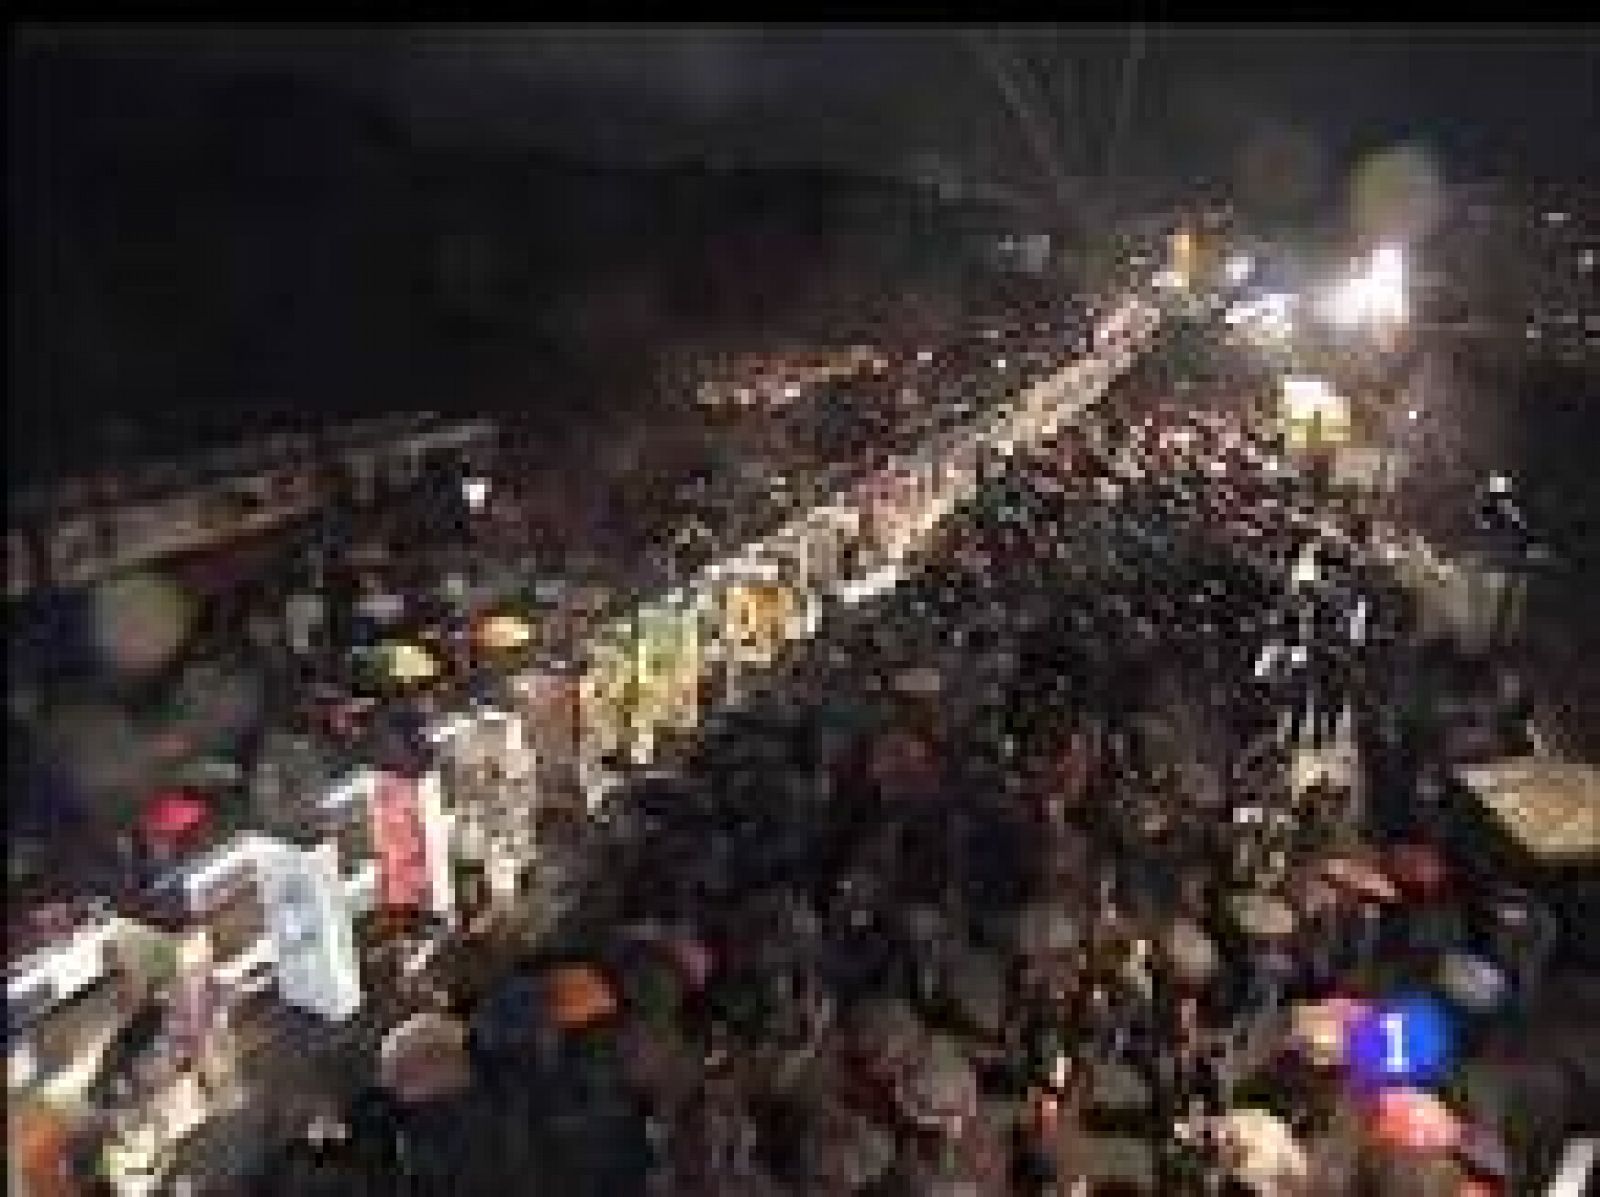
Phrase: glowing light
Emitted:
{"points": [[1376, 297], [476, 492], [140, 621], [1239, 268], [1398, 193], [410, 663], [1387, 278], [503, 632]]}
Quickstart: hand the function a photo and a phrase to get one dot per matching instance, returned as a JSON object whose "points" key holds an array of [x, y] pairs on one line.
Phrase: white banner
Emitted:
{"points": [[308, 918], [436, 838]]}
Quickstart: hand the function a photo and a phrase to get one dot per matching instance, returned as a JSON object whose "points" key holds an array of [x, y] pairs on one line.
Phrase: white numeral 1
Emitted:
{"points": [[1394, 1030]]}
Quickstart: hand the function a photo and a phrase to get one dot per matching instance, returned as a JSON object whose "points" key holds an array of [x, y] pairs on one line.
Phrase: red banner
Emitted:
{"points": [[399, 842]]}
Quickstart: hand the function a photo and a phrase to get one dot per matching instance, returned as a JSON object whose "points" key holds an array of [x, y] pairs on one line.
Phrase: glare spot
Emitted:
{"points": [[140, 621], [1397, 193]]}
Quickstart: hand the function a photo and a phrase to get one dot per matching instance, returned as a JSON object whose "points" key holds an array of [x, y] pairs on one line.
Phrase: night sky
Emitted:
{"points": [[1487, 100], [204, 231]]}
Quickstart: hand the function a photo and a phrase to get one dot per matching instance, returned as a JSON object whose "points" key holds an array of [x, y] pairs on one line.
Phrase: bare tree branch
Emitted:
{"points": [[1037, 135], [1129, 87]]}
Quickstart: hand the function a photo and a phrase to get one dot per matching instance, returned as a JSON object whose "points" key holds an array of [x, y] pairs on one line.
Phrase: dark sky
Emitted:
{"points": [[1289, 114], [1489, 100]]}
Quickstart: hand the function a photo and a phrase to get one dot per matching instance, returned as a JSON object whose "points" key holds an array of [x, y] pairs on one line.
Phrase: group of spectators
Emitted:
{"points": [[1026, 878]]}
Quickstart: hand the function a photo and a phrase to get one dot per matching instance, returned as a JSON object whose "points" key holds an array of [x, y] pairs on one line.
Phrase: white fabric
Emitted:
{"points": [[382, 607]]}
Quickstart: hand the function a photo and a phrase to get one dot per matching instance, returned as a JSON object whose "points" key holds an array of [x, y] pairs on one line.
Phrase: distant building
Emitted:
{"points": [[79, 531]]}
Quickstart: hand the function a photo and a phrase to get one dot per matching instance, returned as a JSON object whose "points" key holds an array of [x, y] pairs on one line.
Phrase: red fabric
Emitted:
{"points": [[174, 814], [1414, 1120], [399, 842]]}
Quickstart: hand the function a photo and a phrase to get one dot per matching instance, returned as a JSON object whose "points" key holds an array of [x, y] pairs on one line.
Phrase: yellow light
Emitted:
{"points": [[1181, 255], [503, 632], [411, 663], [1314, 414]]}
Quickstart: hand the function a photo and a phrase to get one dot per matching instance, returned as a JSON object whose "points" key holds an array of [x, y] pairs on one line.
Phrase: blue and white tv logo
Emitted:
{"points": [[1402, 1041]]}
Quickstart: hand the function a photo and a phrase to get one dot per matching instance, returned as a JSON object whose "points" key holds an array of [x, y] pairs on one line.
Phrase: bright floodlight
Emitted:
{"points": [[1376, 297], [1238, 268], [925, 356], [476, 492], [1349, 304], [1388, 280], [1305, 389], [1307, 396], [1499, 484]]}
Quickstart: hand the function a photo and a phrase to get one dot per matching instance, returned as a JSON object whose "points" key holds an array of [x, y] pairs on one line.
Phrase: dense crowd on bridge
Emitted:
{"points": [[278, 622], [1066, 867]]}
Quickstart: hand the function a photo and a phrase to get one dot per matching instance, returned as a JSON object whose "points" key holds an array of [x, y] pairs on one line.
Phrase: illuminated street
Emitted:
{"points": [[647, 652]]}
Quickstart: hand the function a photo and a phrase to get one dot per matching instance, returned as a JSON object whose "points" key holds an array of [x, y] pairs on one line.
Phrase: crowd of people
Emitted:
{"points": [[654, 502], [1061, 868]]}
